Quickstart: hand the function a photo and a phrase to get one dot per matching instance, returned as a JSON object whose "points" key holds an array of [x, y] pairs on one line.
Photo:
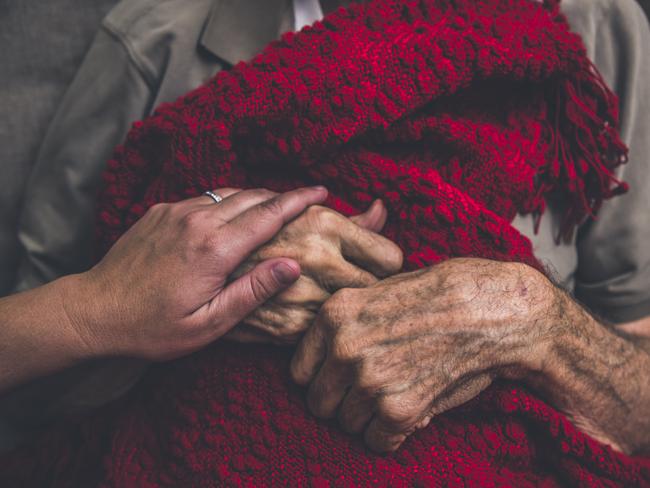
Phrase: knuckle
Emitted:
{"points": [[159, 212], [329, 219], [397, 411], [342, 349], [333, 309], [196, 235], [159, 208], [194, 220], [393, 257], [261, 194], [318, 256], [315, 211], [343, 297], [325, 217], [368, 380]]}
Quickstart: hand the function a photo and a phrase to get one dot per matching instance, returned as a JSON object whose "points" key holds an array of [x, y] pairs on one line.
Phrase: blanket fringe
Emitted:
{"points": [[585, 148]]}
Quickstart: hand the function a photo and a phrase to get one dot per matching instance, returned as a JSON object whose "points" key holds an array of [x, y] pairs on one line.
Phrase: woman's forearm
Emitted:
{"points": [[161, 292], [37, 337]]}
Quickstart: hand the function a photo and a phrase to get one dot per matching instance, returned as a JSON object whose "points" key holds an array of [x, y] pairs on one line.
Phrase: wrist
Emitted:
{"points": [[547, 320], [564, 326], [585, 374], [77, 300]]}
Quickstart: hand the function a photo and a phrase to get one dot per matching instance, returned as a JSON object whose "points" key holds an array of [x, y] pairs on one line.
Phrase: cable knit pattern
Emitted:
{"points": [[458, 114]]}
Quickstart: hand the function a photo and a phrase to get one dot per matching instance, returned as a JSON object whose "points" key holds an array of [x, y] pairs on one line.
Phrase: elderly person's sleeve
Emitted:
{"points": [[110, 91], [613, 276]]}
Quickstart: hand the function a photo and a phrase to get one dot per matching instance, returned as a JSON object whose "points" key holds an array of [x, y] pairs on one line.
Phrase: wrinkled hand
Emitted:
{"points": [[334, 252], [388, 358], [162, 291]]}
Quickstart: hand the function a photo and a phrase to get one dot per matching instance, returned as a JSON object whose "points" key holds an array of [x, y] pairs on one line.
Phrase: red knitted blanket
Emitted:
{"points": [[458, 114]]}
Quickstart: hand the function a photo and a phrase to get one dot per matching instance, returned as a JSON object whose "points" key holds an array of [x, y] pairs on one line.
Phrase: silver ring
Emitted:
{"points": [[214, 196]]}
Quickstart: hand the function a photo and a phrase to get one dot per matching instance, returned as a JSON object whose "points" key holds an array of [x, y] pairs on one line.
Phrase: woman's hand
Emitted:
{"points": [[334, 252], [162, 291]]}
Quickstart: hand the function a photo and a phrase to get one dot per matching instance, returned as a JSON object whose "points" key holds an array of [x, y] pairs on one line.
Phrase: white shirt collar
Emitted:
{"points": [[306, 12]]}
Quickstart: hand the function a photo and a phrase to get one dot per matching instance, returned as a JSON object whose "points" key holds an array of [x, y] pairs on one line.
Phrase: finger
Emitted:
{"points": [[286, 324], [307, 293], [251, 290], [373, 252], [327, 390], [255, 226], [355, 412], [235, 204], [204, 200], [339, 273], [386, 435], [372, 219], [221, 192], [382, 435], [309, 355], [462, 393], [246, 334]]}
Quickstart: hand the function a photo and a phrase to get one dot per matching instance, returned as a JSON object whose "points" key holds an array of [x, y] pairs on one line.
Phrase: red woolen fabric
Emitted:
{"points": [[458, 114]]}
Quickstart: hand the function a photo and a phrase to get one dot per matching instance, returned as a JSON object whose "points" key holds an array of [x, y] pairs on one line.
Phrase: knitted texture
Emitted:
{"points": [[458, 114]]}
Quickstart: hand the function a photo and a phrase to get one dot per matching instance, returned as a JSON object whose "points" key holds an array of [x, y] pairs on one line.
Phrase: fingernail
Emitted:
{"points": [[319, 188], [284, 274]]}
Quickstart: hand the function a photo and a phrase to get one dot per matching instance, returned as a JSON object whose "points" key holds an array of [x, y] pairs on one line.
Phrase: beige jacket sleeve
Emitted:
{"points": [[109, 93], [613, 274]]}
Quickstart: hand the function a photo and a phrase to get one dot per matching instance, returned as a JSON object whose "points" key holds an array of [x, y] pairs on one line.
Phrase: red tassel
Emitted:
{"points": [[585, 147]]}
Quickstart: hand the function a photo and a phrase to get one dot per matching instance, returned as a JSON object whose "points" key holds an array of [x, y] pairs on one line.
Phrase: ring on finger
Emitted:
{"points": [[215, 196]]}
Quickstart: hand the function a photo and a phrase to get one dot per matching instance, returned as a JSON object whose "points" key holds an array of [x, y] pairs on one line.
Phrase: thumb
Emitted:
{"points": [[248, 292], [372, 219]]}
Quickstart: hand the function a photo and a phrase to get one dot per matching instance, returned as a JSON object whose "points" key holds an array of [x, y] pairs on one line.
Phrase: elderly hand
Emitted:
{"points": [[389, 357], [162, 290], [334, 252]]}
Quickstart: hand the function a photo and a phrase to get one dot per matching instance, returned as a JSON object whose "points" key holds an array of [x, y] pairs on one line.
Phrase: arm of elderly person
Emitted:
{"points": [[162, 291], [415, 345]]}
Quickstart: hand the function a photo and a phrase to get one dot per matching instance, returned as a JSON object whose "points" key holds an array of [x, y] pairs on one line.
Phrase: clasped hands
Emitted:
{"points": [[386, 352]]}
